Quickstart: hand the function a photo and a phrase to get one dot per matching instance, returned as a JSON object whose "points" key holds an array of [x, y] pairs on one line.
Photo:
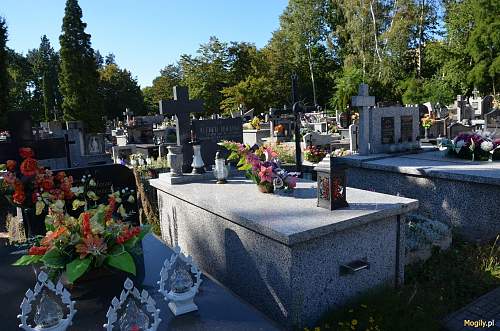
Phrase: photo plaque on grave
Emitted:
{"points": [[406, 129], [387, 130]]}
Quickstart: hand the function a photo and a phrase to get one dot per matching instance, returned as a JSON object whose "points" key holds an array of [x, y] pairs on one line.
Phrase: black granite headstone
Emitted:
{"points": [[211, 132], [109, 177], [387, 130], [182, 107], [406, 129], [492, 119], [457, 128]]}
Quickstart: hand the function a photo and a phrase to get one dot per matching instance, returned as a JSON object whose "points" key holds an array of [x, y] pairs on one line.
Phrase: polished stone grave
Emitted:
{"points": [[457, 192], [282, 253], [219, 309]]}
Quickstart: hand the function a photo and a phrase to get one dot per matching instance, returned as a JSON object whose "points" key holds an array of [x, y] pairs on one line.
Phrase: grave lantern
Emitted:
{"points": [[332, 183], [220, 172]]}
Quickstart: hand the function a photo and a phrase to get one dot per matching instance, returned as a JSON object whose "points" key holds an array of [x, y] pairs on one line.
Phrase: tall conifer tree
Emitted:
{"points": [[4, 76], [79, 78]]}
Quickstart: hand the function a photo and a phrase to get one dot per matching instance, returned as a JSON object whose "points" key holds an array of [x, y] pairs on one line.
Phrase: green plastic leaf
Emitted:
{"points": [[27, 260], [77, 204], [39, 207], [92, 195], [54, 259], [76, 268], [245, 167], [123, 261], [242, 161]]}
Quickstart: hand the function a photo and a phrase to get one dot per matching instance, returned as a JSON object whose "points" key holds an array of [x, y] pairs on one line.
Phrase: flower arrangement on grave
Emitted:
{"points": [[427, 121], [96, 238], [27, 185], [340, 152], [261, 165], [253, 124], [286, 153], [474, 146], [314, 154]]}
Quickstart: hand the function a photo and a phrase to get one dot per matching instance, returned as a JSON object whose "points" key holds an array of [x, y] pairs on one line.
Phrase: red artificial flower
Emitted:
{"points": [[60, 176], [35, 250], [266, 174], [127, 234], [110, 209], [11, 165], [47, 184], [26, 152], [86, 229], [29, 167], [19, 197]]}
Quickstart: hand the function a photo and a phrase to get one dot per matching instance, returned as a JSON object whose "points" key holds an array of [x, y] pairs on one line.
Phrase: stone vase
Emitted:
{"points": [[175, 159]]}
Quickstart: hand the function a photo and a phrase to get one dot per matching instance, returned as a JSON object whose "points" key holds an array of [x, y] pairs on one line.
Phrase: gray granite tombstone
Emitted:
{"points": [[458, 128], [182, 107], [492, 119], [211, 132]]}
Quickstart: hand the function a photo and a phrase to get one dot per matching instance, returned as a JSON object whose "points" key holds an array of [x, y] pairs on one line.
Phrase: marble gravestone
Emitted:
{"points": [[182, 107], [283, 254]]}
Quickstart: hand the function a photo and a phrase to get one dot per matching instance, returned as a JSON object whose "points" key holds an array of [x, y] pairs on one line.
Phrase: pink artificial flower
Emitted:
{"points": [[266, 174], [253, 160], [270, 154]]}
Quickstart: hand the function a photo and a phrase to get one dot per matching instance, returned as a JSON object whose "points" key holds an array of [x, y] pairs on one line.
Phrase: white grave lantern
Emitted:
{"points": [[221, 171], [50, 313], [179, 282], [137, 310]]}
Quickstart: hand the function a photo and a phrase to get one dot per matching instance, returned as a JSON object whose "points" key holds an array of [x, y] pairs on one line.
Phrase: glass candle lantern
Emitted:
{"points": [[220, 171], [332, 184]]}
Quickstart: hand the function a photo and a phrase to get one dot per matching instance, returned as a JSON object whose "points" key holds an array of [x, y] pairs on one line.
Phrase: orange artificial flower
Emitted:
{"points": [[11, 165], [86, 229], [29, 167], [51, 236], [26, 152], [60, 176], [91, 245]]}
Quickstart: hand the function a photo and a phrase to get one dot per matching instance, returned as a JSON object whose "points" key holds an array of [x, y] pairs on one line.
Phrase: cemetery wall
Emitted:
{"points": [[469, 206]]}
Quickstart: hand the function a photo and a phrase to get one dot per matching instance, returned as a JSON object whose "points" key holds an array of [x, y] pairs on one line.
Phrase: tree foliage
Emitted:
{"points": [[4, 76], [79, 79]]}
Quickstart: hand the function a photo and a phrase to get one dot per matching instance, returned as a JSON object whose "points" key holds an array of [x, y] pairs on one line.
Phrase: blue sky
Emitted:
{"points": [[145, 35]]}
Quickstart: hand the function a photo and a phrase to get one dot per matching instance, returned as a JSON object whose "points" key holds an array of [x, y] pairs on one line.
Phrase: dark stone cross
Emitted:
{"points": [[182, 107]]}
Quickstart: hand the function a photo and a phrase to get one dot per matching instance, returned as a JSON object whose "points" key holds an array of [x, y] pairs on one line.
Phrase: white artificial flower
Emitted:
{"points": [[487, 146]]}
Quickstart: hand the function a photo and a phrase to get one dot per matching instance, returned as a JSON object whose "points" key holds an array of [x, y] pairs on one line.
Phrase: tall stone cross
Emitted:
{"points": [[364, 102], [181, 107]]}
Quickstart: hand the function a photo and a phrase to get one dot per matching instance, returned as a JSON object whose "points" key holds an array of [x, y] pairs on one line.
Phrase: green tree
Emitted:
{"points": [[119, 91], [23, 92], [79, 79], [162, 87], [4, 76], [45, 64], [253, 92], [207, 73]]}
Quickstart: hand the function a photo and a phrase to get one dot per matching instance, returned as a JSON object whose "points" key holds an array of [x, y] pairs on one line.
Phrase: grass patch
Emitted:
{"points": [[446, 282]]}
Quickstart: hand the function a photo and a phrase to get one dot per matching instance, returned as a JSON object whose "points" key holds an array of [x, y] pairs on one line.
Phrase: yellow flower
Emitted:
{"points": [[354, 322]]}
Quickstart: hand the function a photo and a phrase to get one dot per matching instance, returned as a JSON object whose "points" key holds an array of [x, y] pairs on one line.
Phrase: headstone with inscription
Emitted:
{"points": [[211, 132], [457, 128]]}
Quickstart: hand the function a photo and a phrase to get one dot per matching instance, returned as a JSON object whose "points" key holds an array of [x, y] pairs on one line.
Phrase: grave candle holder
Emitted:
{"points": [[49, 313], [179, 282], [197, 163], [138, 310], [220, 172], [332, 183]]}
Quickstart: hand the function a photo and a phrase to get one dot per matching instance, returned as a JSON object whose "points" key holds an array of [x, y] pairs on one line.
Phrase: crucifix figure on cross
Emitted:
{"points": [[364, 102], [181, 107]]}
